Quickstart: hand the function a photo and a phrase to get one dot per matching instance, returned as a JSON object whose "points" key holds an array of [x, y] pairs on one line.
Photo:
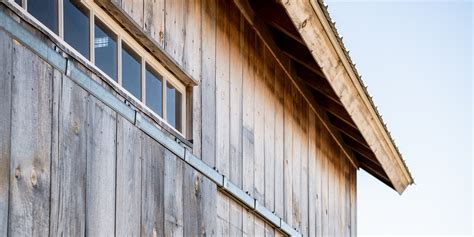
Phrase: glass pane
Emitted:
{"points": [[46, 12], [18, 2], [105, 46], [131, 68], [154, 91], [173, 106], [76, 27]]}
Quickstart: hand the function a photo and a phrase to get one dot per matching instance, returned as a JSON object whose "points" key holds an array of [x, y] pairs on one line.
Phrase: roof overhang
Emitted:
{"points": [[302, 31]]}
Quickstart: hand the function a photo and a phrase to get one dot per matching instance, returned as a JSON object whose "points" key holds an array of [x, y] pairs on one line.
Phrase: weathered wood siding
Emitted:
{"points": [[89, 171]]}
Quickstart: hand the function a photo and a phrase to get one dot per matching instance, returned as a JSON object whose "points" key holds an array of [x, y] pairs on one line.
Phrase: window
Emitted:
{"points": [[46, 12], [105, 48], [131, 77], [76, 27], [154, 91], [93, 33], [173, 106]]}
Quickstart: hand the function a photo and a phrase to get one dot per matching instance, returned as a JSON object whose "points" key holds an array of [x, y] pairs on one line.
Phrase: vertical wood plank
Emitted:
{"points": [[222, 215], [312, 170], [279, 142], [134, 8], [173, 189], [175, 14], [304, 198], [259, 227], [30, 144], [192, 198], [269, 131], [288, 152], [5, 127], [222, 108], [325, 181], [152, 199], [208, 209], [332, 188], [297, 136], [222, 88], [69, 181], [154, 19], [235, 93], [101, 157], [129, 168], [192, 63], [353, 197], [259, 142], [248, 90], [55, 151], [337, 193], [320, 212], [347, 200]]}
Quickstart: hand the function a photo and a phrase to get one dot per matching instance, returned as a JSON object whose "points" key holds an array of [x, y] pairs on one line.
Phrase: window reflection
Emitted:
{"points": [[76, 27], [105, 46], [46, 12], [154, 91], [173, 106], [131, 71]]}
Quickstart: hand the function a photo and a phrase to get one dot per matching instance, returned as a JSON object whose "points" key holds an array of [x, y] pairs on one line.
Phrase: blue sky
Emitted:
{"points": [[416, 57]]}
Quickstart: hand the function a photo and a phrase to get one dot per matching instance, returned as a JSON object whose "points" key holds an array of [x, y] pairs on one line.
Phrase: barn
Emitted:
{"points": [[183, 118]]}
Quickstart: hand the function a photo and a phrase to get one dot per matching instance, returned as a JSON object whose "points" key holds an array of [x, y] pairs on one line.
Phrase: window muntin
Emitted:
{"points": [[76, 27], [173, 106], [105, 49], [131, 71], [105, 41], [46, 12], [154, 90]]}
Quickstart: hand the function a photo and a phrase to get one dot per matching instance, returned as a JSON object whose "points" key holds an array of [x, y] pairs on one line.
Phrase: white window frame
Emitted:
{"points": [[121, 36]]}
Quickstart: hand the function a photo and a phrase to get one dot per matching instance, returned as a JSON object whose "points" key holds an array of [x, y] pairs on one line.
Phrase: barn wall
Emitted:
{"points": [[88, 170], [250, 122]]}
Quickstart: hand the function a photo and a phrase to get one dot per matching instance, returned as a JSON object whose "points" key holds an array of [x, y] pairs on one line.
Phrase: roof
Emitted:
{"points": [[324, 7], [303, 32]]}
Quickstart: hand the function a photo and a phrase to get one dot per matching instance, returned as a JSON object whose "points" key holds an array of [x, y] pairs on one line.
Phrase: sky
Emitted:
{"points": [[416, 57]]}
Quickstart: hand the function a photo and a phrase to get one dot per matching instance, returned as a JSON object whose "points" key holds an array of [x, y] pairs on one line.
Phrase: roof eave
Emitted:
{"points": [[319, 34]]}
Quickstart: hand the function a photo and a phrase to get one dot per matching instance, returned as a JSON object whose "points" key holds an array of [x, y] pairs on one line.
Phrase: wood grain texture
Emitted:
{"points": [[279, 142], [208, 207], [192, 63], [30, 144], [259, 127], [134, 8], [101, 158], [288, 153], [248, 107], [304, 212], [175, 18], [129, 173], [69, 181], [5, 127], [223, 109], [296, 163], [269, 137], [154, 20], [235, 123], [152, 198], [312, 171], [173, 191]]}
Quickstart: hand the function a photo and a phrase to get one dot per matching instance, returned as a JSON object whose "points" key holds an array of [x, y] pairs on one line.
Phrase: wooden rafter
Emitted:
{"points": [[262, 31]]}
